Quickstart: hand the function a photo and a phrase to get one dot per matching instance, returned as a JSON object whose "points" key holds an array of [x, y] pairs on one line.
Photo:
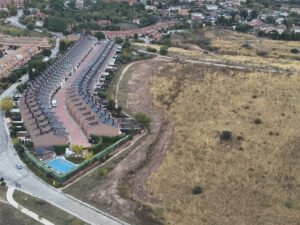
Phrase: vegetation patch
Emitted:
{"points": [[46, 210]]}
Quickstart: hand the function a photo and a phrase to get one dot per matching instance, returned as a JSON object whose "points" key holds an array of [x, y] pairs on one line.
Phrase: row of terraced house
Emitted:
{"points": [[37, 110]]}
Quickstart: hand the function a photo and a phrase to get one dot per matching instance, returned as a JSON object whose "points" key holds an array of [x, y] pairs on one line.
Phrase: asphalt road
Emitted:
{"points": [[14, 20], [32, 185]]}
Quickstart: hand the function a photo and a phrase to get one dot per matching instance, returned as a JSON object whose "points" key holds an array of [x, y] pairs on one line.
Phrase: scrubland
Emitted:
{"points": [[252, 178]]}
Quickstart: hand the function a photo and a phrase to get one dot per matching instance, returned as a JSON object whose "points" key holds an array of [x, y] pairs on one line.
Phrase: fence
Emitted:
{"points": [[61, 178]]}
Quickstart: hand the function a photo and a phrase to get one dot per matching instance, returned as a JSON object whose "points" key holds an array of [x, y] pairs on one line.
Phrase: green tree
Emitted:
{"points": [[271, 20], [63, 45], [254, 14], [288, 22], [100, 35], [35, 67], [233, 15], [119, 40], [13, 11], [244, 13], [56, 24], [46, 52], [89, 155], [6, 104], [77, 148], [30, 26], [3, 14], [143, 119], [163, 50]]}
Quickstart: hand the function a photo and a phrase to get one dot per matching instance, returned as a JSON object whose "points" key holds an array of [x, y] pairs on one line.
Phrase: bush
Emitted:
{"points": [[225, 135], [262, 53], [257, 121], [60, 149], [75, 160], [101, 94], [247, 46], [149, 49], [197, 190], [163, 50], [46, 52], [119, 40], [295, 51], [143, 119], [102, 172], [100, 35]]}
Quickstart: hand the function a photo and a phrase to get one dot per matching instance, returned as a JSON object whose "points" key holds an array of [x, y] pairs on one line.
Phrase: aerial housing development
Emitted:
{"points": [[44, 117]]}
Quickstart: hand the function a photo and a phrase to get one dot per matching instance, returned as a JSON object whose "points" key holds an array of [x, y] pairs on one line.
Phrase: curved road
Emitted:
{"points": [[32, 185]]}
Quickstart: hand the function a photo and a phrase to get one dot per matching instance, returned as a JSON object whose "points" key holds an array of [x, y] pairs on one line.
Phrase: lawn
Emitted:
{"points": [[75, 160], [11, 216], [46, 210], [251, 178]]}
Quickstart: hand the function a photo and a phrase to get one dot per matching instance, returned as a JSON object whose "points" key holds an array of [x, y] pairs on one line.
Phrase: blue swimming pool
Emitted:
{"points": [[61, 165]]}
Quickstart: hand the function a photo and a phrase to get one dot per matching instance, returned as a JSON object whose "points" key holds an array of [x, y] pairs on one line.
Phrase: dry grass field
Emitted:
{"points": [[225, 46], [252, 178]]}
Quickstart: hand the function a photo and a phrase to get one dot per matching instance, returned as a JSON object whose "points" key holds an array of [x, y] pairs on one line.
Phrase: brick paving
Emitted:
{"points": [[76, 135]]}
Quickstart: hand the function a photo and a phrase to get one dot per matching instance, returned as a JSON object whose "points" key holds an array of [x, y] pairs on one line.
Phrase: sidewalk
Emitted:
{"points": [[10, 199]]}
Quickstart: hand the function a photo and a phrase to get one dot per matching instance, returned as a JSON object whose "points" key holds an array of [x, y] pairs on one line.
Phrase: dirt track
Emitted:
{"points": [[145, 158]]}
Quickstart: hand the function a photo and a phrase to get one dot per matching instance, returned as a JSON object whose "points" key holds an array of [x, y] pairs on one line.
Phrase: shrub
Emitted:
{"points": [[143, 119], [247, 46], [225, 135], [100, 35], [60, 149], [262, 53], [288, 203], [239, 138], [149, 49], [295, 51], [163, 50], [102, 94], [257, 121], [102, 172], [197, 190], [46, 52], [119, 40]]}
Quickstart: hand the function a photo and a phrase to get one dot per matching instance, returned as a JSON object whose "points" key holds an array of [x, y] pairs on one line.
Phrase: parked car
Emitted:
{"points": [[19, 167]]}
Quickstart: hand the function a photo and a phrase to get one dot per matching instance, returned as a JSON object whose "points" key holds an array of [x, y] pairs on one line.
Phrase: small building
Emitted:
{"points": [[79, 4], [104, 22], [197, 16], [296, 29], [23, 136], [44, 153], [212, 7]]}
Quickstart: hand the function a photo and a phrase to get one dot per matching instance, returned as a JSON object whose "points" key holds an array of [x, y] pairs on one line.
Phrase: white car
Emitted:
{"points": [[19, 167]]}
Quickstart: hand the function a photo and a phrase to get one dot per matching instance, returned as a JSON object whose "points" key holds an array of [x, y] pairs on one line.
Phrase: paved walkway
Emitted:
{"points": [[76, 135], [10, 199]]}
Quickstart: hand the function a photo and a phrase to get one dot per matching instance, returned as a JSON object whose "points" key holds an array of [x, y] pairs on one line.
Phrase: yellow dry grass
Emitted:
{"points": [[252, 179], [231, 43], [229, 49]]}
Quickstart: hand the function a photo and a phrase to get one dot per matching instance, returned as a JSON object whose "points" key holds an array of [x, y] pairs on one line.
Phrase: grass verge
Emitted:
{"points": [[46, 210]]}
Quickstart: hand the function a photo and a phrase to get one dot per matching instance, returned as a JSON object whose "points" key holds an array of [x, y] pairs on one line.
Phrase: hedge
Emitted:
{"points": [[61, 178]]}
